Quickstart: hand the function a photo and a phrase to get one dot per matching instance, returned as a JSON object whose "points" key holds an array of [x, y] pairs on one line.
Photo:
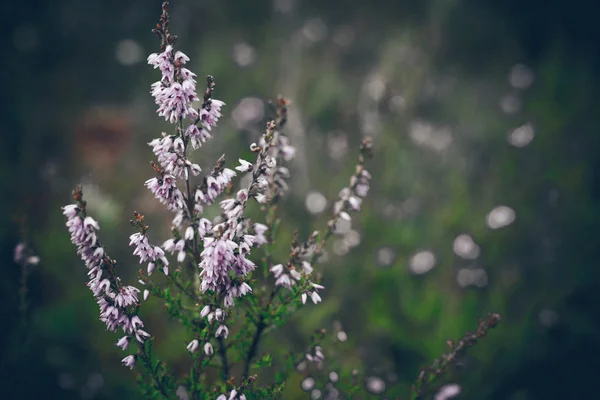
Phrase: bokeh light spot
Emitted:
{"points": [[307, 384], [465, 247], [521, 136], [375, 385], [422, 262], [315, 202], [129, 52], [500, 216]]}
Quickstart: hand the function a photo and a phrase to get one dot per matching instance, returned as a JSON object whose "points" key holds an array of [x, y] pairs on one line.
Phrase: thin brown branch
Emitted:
{"points": [[440, 365]]}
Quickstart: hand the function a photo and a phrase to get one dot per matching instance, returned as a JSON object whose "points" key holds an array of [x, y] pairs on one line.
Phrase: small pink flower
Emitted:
{"points": [[129, 361]]}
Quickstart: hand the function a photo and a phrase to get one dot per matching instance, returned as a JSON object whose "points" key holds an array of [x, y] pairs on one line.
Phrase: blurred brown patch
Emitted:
{"points": [[101, 135]]}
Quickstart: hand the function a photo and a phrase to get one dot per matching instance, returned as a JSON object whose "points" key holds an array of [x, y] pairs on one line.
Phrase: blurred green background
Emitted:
{"points": [[485, 192]]}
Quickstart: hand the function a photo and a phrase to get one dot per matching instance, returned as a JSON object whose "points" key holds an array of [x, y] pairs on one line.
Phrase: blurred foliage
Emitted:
{"points": [[428, 80]]}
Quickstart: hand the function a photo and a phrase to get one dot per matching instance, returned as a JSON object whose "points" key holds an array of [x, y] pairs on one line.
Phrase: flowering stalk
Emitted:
{"points": [[118, 303]]}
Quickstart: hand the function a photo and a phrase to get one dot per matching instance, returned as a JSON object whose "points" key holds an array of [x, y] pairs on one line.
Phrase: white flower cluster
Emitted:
{"points": [[287, 276], [117, 302], [218, 315], [193, 346]]}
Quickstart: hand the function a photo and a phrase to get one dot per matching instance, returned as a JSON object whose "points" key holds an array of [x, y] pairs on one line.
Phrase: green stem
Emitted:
{"points": [[260, 327], [223, 355], [146, 358]]}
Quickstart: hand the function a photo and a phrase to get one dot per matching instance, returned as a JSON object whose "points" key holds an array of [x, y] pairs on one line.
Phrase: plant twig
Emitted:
{"points": [[223, 355], [260, 327], [148, 363], [440, 365]]}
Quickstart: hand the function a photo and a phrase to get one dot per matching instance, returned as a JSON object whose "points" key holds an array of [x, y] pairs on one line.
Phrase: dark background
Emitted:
{"points": [[434, 83]]}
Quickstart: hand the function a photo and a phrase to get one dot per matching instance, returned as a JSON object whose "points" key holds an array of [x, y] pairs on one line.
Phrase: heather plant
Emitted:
{"points": [[218, 277]]}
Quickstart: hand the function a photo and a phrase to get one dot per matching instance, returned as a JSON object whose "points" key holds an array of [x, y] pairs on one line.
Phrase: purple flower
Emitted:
{"points": [[126, 296], [129, 361], [198, 136], [217, 259], [307, 268], [171, 246], [277, 270], [147, 252], [204, 226], [315, 297], [210, 113], [173, 96], [123, 343], [165, 190], [193, 345], [170, 153], [354, 203], [284, 280], [142, 248], [244, 166], [205, 311], [219, 314], [215, 185], [208, 349], [189, 233], [259, 230], [141, 335], [222, 331], [24, 255], [19, 251], [163, 62], [295, 274]]}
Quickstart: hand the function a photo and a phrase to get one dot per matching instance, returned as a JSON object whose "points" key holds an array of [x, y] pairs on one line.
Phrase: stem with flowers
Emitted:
{"points": [[209, 280]]}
